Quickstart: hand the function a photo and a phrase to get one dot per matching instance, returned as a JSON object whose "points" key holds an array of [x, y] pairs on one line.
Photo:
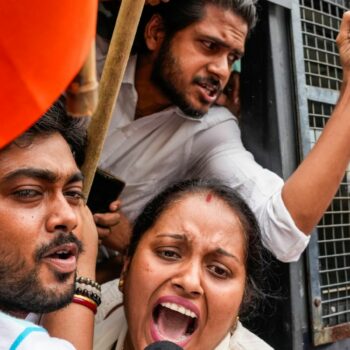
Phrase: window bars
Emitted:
{"points": [[329, 269]]}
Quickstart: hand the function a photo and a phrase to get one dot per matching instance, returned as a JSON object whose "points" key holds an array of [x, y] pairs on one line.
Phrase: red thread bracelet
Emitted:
{"points": [[87, 302]]}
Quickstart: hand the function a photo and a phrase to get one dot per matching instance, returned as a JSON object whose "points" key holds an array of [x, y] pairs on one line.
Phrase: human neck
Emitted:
{"points": [[127, 343], [150, 98]]}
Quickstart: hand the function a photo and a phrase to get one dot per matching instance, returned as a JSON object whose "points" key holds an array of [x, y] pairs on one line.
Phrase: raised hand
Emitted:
{"points": [[343, 42], [113, 228]]}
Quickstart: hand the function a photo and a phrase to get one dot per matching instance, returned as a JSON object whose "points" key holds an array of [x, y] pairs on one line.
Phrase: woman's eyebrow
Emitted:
{"points": [[221, 251], [176, 236]]}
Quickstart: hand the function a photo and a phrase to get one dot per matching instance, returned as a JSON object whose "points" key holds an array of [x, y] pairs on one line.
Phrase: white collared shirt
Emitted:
{"points": [[151, 152]]}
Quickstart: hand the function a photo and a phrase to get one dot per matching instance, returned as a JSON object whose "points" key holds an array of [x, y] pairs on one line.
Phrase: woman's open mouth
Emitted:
{"points": [[174, 321]]}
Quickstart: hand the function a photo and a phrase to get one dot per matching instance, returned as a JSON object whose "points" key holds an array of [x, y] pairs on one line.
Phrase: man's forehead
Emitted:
{"points": [[210, 9], [50, 153], [226, 29]]}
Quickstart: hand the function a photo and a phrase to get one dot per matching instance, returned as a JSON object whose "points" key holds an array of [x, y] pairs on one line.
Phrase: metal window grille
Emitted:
{"points": [[320, 22], [333, 238], [329, 251]]}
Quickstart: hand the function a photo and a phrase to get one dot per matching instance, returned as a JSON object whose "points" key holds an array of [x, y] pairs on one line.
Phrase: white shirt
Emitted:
{"points": [[17, 334], [151, 152]]}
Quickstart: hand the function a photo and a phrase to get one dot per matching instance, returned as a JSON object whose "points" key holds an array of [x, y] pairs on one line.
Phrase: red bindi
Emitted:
{"points": [[209, 197]]}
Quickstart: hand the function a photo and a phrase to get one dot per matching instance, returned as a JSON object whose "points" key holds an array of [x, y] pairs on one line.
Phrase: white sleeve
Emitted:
{"points": [[243, 339], [40, 340], [219, 153], [18, 334]]}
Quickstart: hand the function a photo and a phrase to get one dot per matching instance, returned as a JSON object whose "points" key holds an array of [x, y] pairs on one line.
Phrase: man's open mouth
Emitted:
{"points": [[212, 90], [62, 258], [174, 322]]}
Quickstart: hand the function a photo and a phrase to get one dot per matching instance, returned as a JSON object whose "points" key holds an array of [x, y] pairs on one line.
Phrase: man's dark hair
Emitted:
{"points": [[256, 256], [179, 14], [56, 120]]}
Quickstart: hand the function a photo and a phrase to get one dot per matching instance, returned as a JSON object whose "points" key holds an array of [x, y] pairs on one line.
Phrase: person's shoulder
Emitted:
{"points": [[110, 322], [243, 339], [17, 325], [217, 115], [42, 341], [23, 335], [111, 299]]}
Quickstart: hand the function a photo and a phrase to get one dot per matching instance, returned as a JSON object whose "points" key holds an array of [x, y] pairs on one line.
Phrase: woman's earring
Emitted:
{"points": [[234, 325], [121, 284]]}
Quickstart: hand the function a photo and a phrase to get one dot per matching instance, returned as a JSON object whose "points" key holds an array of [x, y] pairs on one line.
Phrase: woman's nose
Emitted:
{"points": [[188, 280]]}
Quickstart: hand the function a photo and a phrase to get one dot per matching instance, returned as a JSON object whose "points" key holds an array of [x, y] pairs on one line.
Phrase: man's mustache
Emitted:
{"points": [[60, 238]]}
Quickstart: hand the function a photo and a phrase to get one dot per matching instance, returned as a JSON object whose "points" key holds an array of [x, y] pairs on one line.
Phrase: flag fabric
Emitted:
{"points": [[43, 44]]}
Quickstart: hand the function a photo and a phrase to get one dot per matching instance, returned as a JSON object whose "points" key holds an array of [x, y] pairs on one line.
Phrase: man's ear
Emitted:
{"points": [[154, 33]]}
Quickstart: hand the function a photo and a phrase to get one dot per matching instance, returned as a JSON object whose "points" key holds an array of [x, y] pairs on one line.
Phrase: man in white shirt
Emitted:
{"points": [[165, 126], [42, 231]]}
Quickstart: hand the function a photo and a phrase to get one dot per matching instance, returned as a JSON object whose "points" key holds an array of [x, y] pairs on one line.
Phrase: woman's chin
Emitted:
{"points": [[157, 335]]}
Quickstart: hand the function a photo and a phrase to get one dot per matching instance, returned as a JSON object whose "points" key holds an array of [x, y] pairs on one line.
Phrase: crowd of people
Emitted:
{"points": [[197, 215]]}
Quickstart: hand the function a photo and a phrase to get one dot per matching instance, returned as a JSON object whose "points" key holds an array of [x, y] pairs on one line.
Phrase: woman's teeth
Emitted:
{"points": [[180, 309]]}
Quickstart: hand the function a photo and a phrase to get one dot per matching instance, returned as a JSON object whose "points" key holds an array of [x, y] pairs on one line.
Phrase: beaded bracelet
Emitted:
{"points": [[88, 281], [88, 288], [87, 302], [88, 294]]}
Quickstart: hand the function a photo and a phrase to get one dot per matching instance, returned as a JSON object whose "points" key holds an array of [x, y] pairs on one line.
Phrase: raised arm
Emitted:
{"points": [[309, 191]]}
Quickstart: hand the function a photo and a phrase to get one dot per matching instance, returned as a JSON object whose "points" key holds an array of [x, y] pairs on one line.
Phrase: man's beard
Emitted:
{"points": [[21, 289], [165, 73]]}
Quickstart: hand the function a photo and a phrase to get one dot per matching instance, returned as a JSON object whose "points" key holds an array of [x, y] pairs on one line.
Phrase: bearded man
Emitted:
{"points": [[167, 127], [43, 226]]}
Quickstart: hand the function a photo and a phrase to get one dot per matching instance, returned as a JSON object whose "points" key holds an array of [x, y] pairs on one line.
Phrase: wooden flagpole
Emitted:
{"points": [[113, 72]]}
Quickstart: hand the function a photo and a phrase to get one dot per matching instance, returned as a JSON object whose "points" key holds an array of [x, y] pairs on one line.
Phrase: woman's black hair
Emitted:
{"points": [[256, 255]]}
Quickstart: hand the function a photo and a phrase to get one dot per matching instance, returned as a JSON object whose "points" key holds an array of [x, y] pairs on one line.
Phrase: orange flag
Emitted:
{"points": [[43, 44]]}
